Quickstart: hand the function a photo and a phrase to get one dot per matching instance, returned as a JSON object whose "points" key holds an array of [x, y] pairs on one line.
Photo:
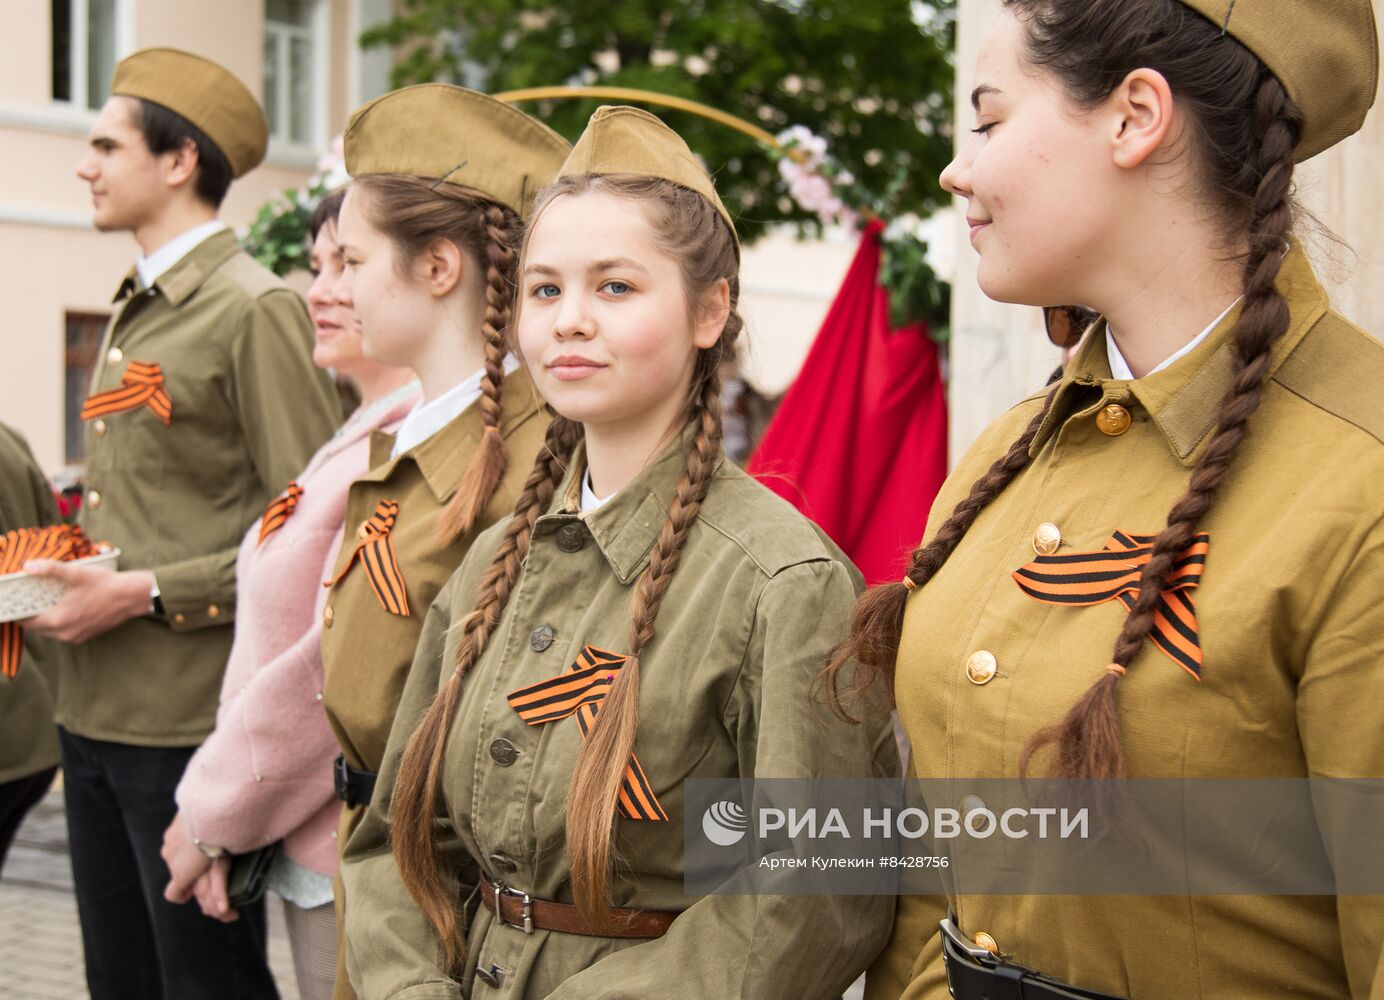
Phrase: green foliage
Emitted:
{"points": [[873, 77]]}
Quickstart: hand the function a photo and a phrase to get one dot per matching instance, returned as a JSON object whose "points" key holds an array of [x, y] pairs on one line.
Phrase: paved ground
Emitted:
{"points": [[40, 944]]}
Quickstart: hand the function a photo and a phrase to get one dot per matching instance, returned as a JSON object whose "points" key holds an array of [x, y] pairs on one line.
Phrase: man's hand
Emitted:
{"points": [[211, 892], [186, 862], [96, 600]]}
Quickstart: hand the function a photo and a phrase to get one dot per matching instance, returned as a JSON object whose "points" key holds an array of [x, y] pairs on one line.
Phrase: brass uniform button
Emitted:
{"points": [[99, 428], [502, 751], [1114, 420], [981, 667], [988, 943], [1047, 538], [114, 356], [570, 537], [94, 499], [213, 611], [363, 532], [328, 616], [541, 638], [180, 619]]}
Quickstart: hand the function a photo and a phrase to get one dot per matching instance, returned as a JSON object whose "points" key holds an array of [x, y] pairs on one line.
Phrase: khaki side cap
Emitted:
{"points": [[625, 140], [206, 94], [1324, 52], [448, 133]]}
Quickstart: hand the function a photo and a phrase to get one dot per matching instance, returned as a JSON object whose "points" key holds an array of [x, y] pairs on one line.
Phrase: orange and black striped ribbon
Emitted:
{"points": [[580, 690], [63, 542], [1083, 579], [279, 510], [141, 385], [375, 550]]}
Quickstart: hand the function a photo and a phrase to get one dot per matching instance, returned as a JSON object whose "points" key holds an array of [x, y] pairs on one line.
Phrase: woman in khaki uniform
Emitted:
{"points": [[429, 234], [679, 619], [1213, 502]]}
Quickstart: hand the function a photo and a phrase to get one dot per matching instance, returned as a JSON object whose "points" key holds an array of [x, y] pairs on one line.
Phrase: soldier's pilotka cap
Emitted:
{"points": [[203, 92], [446, 133], [624, 140], [1324, 52]]}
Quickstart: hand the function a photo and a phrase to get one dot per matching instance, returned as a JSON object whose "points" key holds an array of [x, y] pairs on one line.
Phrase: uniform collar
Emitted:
{"points": [[155, 265], [443, 457], [182, 279], [626, 526], [1184, 399]]}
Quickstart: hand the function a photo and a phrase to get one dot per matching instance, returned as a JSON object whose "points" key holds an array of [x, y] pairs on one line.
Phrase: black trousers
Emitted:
{"points": [[16, 799], [138, 945]]}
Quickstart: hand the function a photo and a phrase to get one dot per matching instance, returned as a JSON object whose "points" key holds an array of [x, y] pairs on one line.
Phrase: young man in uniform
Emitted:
{"points": [[204, 404]]}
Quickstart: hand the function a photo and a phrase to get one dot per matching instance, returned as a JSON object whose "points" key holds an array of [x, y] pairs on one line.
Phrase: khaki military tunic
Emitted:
{"points": [[725, 690], [1291, 626], [248, 410], [28, 738], [366, 650]]}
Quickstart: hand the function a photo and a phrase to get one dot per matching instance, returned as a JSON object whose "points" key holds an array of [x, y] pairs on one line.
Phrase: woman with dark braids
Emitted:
{"points": [[675, 607], [429, 234], [1168, 565]]}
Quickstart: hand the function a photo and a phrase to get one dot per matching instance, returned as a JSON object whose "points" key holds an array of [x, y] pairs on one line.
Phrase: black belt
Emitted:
{"points": [[353, 787], [975, 974]]}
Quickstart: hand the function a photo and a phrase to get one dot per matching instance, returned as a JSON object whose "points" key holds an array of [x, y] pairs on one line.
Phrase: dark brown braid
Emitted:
{"points": [[487, 467], [877, 618], [1088, 738], [594, 791], [420, 770]]}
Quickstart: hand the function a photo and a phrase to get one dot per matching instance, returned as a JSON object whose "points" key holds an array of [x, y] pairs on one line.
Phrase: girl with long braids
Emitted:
{"points": [[429, 233], [1167, 565], [675, 607]]}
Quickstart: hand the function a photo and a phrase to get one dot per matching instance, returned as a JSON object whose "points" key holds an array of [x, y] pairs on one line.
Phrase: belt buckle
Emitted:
{"points": [[953, 934], [341, 778], [501, 891]]}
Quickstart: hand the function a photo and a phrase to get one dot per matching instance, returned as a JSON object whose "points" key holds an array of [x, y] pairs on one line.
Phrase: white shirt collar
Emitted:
{"points": [[426, 419], [589, 499], [156, 265], [1119, 367]]}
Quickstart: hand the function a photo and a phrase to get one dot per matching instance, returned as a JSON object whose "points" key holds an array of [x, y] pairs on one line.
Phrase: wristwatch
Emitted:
{"points": [[156, 601]]}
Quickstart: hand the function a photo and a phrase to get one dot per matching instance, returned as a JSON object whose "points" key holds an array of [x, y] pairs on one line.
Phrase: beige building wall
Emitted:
{"points": [[999, 353], [54, 262]]}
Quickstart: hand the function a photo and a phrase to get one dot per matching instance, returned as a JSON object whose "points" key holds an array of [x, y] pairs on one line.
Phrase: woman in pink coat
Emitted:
{"points": [[265, 773]]}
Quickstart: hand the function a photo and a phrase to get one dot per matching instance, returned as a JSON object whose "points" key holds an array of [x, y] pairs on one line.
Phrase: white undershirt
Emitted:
{"points": [[1119, 367], [589, 499], [156, 265], [426, 419]]}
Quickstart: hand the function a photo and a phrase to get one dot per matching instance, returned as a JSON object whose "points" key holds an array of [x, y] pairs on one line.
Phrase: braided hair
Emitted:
{"points": [[1243, 130], [688, 228], [413, 212]]}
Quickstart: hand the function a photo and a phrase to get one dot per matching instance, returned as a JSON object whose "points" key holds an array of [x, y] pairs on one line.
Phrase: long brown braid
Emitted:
{"points": [[877, 617], [1244, 130], [420, 770], [487, 467], [689, 229], [414, 212]]}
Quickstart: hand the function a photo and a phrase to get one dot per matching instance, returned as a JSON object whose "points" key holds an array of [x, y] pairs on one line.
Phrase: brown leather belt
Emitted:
{"points": [[520, 910]]}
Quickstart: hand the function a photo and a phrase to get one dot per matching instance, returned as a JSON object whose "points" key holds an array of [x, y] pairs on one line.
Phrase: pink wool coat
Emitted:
{"points": [[265, 772]]}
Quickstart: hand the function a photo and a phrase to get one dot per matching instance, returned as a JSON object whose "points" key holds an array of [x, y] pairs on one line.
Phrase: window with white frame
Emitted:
{"points": [[86, 42], [294, 70]]}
